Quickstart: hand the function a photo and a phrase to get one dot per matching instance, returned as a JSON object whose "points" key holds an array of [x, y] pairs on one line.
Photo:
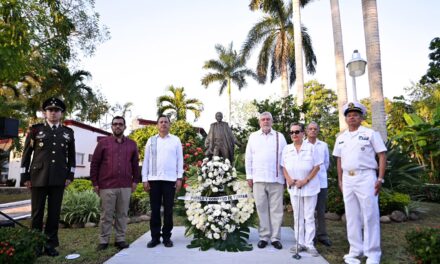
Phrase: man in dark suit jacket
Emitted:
{"points": [[47, 167]]}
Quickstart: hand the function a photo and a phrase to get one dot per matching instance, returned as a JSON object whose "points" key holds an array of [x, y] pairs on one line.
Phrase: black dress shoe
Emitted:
{"points": [[262, 244], [168, 243], [326, 242], [153, 243], [121, 245], [51, 251], [277, 244], [101, 247]]}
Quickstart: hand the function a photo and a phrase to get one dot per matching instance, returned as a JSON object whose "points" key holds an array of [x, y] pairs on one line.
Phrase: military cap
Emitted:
{"points": [[54, 103], [354, 107]]}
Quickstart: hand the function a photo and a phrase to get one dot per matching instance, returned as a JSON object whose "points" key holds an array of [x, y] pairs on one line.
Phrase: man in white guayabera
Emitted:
{"points": [[162, 172], [265, 176]]}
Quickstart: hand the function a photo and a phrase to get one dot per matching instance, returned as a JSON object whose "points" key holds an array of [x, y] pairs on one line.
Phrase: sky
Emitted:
{"points": [[155, 44]]}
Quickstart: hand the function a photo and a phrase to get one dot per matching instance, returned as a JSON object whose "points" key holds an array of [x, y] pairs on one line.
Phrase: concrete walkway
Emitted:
{"points": [[139, 253], [16, 210]]}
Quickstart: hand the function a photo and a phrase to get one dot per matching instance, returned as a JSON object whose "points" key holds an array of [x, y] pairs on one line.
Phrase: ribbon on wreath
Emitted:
{"points": [[214, 199]]}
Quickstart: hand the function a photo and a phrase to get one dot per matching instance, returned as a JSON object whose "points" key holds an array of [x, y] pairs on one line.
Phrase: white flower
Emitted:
{"points": [[216, 158], [215, 189], [225, 167], [216, 236]]}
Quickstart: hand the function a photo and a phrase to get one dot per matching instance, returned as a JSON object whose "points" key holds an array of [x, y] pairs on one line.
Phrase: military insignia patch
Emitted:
{"points": [[66, 136]]}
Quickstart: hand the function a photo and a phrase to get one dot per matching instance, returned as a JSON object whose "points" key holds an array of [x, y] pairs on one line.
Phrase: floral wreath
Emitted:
{"points": [[219, 208]]}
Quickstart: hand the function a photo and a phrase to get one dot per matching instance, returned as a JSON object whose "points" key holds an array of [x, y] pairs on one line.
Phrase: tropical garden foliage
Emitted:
{"points": [[39, 39], [177, 105]]}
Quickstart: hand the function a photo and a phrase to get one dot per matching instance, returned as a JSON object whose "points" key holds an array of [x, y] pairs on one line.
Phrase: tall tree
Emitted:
{"points": [[297, 36], [372, 43], [37, 34], [339, 61], [80, 98], [275, 32], [229, 68], [321, 106], [177, 105], [433, 74]]}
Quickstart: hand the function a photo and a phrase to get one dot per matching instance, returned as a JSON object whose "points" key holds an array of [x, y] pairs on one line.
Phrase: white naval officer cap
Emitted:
{"points": [[354, 106]]}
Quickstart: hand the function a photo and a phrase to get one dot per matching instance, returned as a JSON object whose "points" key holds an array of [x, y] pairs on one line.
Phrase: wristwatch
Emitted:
{"points": [[382, 180]]}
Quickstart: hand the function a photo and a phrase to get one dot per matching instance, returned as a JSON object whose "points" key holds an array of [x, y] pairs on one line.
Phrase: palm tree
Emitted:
{"points": [[70, 86], [228, 69], [275, 32], [339, 61], [372, 43], [177, 105], [297, 36]]}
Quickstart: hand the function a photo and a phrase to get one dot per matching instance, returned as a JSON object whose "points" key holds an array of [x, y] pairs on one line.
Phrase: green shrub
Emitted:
{"points": [[335, 201], [388, 201], [391, 201], [80, 185], [19, 245], [80, 207], [432, 192], [137, 201], [424, 244]]}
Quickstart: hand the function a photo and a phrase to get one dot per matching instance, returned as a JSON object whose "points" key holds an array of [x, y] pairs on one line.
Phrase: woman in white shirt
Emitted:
{"points": [[300, 167]]}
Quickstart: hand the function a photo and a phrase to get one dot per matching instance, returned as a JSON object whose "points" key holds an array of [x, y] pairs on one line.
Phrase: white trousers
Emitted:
{"points": [[269, 202], [304, 217], [362, 211]]}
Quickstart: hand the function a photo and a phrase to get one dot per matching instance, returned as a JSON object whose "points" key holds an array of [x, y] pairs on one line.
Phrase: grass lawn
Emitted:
{"points": [[8, 198], [84, 240]]}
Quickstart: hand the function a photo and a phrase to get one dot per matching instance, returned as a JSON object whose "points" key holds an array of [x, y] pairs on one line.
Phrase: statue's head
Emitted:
{"points": [[219, 116]]}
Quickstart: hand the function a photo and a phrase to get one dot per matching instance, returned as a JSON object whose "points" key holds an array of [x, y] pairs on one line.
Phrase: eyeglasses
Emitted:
{"points": [[296, 132], [118, 124]]}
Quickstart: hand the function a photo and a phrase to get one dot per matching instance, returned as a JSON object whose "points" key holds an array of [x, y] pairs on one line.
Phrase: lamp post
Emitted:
{"points": [[356, 67]]}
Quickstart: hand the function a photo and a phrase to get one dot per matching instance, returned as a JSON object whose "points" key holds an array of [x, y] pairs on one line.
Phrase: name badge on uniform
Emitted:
{"points": [[66, 136], [363, 138]]}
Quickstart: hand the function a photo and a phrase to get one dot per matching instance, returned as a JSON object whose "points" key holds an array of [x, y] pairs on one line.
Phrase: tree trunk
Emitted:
{"points": [[284, 80], [339, 61], [229, 100], [297, 36], [371, 29]]}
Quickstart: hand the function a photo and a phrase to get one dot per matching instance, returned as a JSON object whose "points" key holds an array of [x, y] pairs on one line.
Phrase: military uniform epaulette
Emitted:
{"points": [[35, 127], [68, 128]]}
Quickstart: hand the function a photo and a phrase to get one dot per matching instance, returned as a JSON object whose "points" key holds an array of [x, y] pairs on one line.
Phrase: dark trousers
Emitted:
{"points": [[321, 231], [54, 196], [161, 193]]}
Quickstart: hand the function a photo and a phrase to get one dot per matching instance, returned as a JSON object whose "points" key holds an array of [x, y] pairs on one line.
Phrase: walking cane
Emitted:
{"points": [[297, 256]]}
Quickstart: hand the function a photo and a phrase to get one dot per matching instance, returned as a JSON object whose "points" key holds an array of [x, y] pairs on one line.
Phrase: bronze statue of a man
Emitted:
{"points": [[220, 141]]}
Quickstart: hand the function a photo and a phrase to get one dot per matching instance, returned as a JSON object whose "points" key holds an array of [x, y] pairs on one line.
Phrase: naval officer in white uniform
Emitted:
{"points": [[360, 179]]}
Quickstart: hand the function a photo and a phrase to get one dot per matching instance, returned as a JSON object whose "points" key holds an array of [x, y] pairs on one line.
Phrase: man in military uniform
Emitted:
{"points": [[47, 167], [360, 179]]}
